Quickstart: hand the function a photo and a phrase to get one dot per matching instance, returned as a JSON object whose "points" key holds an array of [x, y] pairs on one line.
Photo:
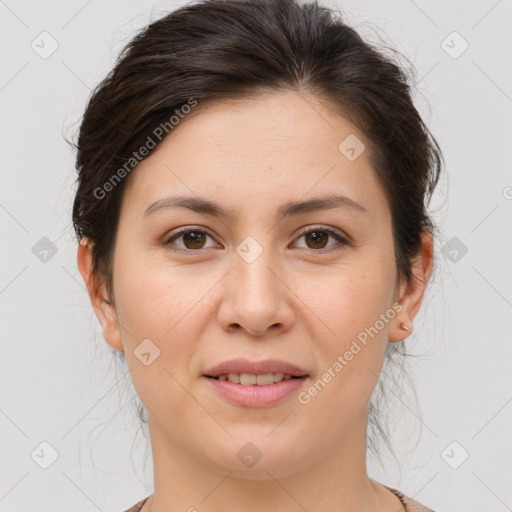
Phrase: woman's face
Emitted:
{"points": [[250, 285]]}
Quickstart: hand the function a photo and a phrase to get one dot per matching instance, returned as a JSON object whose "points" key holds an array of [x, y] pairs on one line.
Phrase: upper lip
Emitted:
{"points": [[255, 367]]}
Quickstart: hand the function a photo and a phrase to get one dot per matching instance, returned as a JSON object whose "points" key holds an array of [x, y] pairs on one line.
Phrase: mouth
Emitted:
{"points": [[255, 390], [250, 383], [252, 379]]}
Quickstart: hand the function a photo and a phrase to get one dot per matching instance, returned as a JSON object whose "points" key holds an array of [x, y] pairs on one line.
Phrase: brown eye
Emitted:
{"points": [[317, 238], [193, 239]]}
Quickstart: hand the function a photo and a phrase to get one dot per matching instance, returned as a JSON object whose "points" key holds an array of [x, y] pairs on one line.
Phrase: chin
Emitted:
{"points": [[254, 456]]}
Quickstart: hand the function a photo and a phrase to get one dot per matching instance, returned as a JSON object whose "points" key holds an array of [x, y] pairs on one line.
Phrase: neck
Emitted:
{"points": [[333, 479]]}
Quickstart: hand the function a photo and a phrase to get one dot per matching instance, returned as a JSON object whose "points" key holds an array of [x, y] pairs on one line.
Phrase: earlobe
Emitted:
{"points": [[401, 329], [103, 308]]}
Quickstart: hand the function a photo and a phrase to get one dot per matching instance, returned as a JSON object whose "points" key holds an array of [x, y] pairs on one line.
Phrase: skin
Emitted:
{"points": [[302, 300]]}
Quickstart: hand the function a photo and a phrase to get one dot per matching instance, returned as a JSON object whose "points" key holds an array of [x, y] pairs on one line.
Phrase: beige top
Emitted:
{"points": [[409, 504]]}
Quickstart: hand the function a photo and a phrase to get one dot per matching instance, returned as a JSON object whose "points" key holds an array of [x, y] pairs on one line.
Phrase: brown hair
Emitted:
{"points": [[214, 49]]}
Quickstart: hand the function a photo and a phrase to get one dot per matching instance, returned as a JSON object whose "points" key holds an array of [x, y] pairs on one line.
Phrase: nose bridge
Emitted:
{"points": [[252, 271]]}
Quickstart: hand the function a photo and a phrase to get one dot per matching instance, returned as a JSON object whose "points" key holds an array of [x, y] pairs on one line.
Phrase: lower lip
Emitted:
{"points": [[256, 396]]}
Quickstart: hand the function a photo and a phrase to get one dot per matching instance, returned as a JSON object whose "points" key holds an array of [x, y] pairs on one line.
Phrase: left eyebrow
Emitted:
{"points": [[207, 207]]}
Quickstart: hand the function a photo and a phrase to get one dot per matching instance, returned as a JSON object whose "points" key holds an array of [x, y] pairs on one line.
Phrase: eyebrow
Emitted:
{"points": [[206, 207]]}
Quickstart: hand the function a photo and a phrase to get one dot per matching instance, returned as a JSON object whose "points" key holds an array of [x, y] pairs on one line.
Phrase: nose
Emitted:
{"points": [[256, 298]]}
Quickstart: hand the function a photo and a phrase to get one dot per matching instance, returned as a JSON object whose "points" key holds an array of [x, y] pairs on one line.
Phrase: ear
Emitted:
{"points": [[102, 304], [410, 295]]}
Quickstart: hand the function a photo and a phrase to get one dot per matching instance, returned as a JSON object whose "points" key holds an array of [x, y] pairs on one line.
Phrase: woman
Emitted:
{"points": [[253, 182]]}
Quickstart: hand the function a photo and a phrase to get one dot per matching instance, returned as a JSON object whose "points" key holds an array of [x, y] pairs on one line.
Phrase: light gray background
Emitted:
{"points": [[57, 383]]}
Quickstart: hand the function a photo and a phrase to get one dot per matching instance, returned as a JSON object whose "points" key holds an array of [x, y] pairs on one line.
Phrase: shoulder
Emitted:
{"points": [[409, 504], [137, 506]]}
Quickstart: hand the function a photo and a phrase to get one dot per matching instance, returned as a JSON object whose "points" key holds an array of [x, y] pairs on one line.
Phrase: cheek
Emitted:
{"points": [[355, 305], [160, 304], [350, 299], [155, 298]]}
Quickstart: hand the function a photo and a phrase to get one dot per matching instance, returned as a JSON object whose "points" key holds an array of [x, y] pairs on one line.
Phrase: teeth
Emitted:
{"points": [[247, 379], [265, 379], [250, 379]]}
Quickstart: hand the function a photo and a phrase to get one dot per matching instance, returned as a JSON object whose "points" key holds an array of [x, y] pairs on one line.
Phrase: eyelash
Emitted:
{"points": [[342, 241]]}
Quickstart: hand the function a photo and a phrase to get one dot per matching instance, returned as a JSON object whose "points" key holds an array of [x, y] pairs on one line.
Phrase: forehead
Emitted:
{"points": [[283, 146], [273, 124]]}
